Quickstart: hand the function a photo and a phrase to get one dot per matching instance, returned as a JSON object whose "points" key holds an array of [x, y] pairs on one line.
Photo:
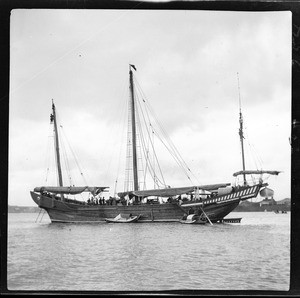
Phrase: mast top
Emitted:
{"points": [[132, 66], [53, 106]]}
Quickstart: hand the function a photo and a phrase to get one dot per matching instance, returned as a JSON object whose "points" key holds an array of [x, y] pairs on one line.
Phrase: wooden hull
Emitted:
{"points": [[216, 209]]}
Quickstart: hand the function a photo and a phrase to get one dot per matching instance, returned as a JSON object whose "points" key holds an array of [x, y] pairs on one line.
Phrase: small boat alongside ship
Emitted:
{"points": [[123, 218], [193, 219], [195, 204]]}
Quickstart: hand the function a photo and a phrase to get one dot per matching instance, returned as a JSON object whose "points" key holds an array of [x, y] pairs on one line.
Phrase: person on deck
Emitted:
{"points": [[191, 211]]}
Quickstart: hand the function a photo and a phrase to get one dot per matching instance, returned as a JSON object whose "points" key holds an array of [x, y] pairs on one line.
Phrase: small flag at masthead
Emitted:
{"points": [[133, 66]]}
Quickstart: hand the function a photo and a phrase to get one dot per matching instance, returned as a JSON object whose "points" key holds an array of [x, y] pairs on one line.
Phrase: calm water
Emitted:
{"points": [[252, 255]]}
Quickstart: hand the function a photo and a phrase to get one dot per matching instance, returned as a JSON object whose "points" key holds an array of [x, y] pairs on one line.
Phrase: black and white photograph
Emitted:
{"points": [[149, 150]]}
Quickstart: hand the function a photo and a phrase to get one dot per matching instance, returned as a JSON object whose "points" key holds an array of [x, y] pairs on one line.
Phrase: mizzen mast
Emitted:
{"points": [[53, 119], [241, 133], [133, 126]]}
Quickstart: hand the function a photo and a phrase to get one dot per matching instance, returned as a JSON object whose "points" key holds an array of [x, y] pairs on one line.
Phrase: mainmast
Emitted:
{"points": [[133, 126], [241, 133], [53, 119]]}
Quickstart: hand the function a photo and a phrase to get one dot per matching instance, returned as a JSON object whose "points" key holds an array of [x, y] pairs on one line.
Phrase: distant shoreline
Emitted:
{"points": [[23, 209]]}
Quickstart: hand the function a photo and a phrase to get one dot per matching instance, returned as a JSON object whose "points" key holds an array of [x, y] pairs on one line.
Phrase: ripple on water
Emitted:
{"points": [[253, 255]]}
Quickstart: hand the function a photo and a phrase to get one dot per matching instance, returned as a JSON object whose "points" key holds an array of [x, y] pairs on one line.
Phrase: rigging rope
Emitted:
{"points": [[256, 159], [151, 142], [47, 158], [74, 155], [176, 155], [123, 113], [66, 161]]}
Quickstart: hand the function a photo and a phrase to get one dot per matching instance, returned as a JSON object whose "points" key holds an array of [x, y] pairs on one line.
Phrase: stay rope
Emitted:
{"points": [[170, 145]]}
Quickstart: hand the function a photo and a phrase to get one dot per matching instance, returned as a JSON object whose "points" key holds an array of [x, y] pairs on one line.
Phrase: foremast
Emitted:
{"points": [[56, 144]]}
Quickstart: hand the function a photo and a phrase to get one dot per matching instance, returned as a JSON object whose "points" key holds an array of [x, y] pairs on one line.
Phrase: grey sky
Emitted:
{"points": [[187, 64]]}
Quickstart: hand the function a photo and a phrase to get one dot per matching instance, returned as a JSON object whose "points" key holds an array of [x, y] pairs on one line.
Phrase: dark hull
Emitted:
{"points": [[216, 209], [67, 212]]}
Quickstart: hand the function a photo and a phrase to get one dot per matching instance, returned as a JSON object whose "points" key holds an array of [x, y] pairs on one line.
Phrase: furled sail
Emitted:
{"points": [[174, 191], [73, 190], [250, 172]]}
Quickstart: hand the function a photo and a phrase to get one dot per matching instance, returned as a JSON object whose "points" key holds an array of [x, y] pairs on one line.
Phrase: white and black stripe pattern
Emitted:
{"points": [[243, 194]]}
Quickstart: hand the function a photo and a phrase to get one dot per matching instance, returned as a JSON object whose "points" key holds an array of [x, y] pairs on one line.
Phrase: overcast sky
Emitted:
{"points": [[187, 64]]}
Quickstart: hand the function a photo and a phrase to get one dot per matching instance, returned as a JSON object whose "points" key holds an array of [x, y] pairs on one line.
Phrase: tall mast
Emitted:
{"points": [[133, 126], [241, 133], [53, 119]]}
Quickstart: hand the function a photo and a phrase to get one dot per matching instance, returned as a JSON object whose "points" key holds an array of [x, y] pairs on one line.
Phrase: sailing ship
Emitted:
{"points": [[209, 202]]}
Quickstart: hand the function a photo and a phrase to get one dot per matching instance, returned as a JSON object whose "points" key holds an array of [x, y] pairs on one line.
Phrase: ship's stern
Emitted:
{"points": [[41, 201]]}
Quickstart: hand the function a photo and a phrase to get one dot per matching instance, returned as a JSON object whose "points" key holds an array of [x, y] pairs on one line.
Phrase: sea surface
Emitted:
{"points": [[251, 255]]}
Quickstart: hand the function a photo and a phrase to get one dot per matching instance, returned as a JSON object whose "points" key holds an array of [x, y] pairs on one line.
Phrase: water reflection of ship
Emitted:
{"points": [[210, 202]]}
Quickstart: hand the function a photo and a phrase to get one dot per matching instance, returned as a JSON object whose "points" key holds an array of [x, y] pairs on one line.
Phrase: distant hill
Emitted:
{"points": [[285, 201], [264, 205], [22, 209]]}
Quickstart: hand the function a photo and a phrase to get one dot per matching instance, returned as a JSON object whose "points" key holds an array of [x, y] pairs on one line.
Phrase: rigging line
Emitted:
{"points": [[51, 160], [140, 158], [148, 162], [177, 153], [38, 214], [253, 153], [47, 159], [154, 177], [177, 157], [141, 134], [73, 49], [123, 117], [252, 157], [245, 130], [56, 161], [66, 161], [117, 132], [64, 153], [173, 154], [74, 155], [154, 154], [148, 107], [166, 135], [129, 162], [128, 169], [42, 215], [146, 155], [247, 151], [258, 158], [149, 137], [52, 167]]}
